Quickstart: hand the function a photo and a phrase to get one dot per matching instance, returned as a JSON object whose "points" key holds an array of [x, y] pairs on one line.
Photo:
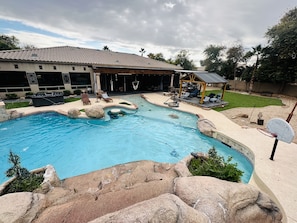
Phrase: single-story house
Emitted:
{"points": [[71, 68]]}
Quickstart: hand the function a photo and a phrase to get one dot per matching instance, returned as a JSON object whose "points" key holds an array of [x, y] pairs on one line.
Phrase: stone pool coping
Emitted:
{"points": [[276, 178]]}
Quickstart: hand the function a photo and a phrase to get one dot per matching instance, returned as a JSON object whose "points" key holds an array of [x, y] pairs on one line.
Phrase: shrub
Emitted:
{"points": [[24, 180], [11, 96], [29, 94], [215, 166], [66, 93], [77, 92]]}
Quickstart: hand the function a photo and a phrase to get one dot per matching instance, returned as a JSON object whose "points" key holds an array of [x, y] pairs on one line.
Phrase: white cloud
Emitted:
{"points": [[158, 25]]}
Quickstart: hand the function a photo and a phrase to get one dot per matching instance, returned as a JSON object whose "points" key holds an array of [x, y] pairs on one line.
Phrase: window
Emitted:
{"points": [[13, 79], [16, 66], [73, 68], [40, 67], [80, 78], [55, 68], [49, 78]]}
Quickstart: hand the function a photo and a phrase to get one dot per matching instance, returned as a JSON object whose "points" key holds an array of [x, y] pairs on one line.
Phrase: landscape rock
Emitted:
{"points": [[166, 208], [74, 113], [206, 127], [13, 114], [4, 116], [50, 179], [95, 112], [20, 207], [224, 201], [143, 191]]}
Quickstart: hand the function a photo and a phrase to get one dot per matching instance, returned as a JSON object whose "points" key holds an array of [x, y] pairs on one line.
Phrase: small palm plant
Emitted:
{"points": [[16, 169], [24, 180]]}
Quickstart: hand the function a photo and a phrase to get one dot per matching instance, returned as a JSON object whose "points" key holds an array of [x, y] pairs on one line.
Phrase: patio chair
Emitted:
{"points": [[185, 95], [206, 99], [106, 98], [85, 99], [194, 93], [217, 98]]}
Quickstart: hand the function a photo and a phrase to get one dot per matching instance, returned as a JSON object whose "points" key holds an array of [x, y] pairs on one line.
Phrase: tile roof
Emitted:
{"points": [[77, 55]]}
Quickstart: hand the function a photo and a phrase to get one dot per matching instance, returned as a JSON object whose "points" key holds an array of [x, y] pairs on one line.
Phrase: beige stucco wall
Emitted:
{"points": [[35, 67]]}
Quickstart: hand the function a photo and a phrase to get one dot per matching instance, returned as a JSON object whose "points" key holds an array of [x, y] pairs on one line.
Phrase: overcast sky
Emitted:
{"points": [[158, 26]]}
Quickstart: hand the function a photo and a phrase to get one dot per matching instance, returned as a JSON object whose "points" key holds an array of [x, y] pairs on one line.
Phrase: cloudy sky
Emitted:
{"points": [[158, 26]]}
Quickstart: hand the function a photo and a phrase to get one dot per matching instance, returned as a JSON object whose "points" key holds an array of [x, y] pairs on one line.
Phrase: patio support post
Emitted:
{"points": [[224, 89], [203, 92], [180, 88], [98, 82], [171, 80]]}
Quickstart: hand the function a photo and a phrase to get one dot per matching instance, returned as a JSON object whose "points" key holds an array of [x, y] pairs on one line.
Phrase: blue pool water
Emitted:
{"points": [[78, 146]]}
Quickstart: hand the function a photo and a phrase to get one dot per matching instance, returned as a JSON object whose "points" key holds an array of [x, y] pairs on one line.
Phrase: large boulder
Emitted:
{"points": [[166, 208], [4, 116], [20, 207], [89, 196], [224, 201], [206, 127], [143, 191], [74, 113], [13, 114], [95, 112]]}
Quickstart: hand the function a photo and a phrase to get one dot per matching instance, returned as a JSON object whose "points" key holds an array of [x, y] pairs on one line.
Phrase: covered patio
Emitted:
{"points": [[193, 84]]}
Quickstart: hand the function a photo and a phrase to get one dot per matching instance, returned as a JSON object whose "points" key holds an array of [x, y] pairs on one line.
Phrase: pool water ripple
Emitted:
{"points": [[78, 146]]}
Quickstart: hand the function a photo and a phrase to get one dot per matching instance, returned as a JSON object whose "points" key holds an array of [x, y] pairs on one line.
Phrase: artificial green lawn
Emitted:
{"points": [[12, 105], [236, 100]]}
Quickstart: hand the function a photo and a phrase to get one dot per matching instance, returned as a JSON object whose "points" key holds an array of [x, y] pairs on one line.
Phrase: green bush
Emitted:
{"points": [[66, 93], [77, 91], [29, 94], [24, 180], [215, 166], [11, 96]]}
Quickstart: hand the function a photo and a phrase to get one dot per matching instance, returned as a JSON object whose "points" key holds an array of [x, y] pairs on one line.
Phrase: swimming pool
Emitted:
{"points": [[78, 146]]}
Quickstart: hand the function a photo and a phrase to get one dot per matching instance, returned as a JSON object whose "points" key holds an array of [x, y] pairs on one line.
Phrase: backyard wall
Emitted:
{"points": [[265, 88]]}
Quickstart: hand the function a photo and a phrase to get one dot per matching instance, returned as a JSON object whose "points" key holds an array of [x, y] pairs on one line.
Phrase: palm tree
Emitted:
{"points": [[142, 51], [256, 51], [106, 48]]}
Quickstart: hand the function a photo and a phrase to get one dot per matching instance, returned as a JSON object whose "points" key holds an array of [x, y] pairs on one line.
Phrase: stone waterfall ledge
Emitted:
{"points": [[145, 191]]}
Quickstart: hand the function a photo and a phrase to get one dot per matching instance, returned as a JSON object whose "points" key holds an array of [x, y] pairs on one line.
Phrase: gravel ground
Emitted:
{"points": [[247, 117]]}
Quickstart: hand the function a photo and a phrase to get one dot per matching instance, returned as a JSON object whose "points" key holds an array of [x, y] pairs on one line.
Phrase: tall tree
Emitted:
{"points": [[8, 42], [282, 39], [256, 51], [283, 36], [235, 55], [28, 47], [213, 61], [184, 61], [157, 56]]}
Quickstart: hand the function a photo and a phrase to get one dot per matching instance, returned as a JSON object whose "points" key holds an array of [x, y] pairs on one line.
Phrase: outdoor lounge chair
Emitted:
{"points": [[206, 99], [194, 93], [217, 98], [85, 99], [106, 98], [185, 95]]}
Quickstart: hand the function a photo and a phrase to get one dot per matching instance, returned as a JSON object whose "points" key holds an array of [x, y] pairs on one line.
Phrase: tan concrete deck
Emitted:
{"points": [[277, 178]]}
